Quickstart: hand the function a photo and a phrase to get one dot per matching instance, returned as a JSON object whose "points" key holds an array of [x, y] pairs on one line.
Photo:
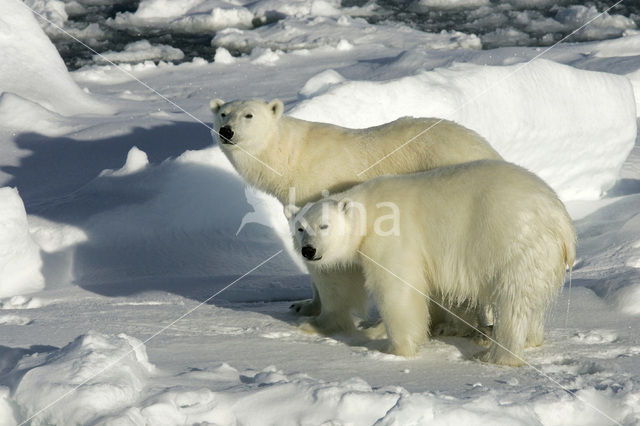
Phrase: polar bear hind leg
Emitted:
{"points": [[520, 300]]}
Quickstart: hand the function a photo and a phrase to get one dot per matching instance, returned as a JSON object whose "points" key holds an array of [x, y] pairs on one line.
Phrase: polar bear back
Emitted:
{"points": [[333, 158]]}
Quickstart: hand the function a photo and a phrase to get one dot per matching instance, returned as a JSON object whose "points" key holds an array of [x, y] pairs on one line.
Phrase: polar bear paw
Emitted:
{"points": [[306, 308]]}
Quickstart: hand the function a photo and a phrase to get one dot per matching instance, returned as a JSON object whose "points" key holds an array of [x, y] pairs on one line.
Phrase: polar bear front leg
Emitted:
{"points": [[403, 309], [309, 307], [341, 292]]}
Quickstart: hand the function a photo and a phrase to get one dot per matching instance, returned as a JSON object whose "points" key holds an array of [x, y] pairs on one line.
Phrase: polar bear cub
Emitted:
{"points": [[286, 157], [487, 232]]}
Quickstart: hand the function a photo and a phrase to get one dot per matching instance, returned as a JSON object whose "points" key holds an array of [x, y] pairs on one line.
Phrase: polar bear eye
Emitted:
{"points": [[248, 116], [223, 115], [324, 226], [300, 230]]}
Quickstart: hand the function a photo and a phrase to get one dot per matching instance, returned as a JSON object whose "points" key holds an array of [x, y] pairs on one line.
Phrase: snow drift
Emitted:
{"points": [[190, 218], [31, 67], [91, 376], [20, 261], [574, 128], [104, 380]]}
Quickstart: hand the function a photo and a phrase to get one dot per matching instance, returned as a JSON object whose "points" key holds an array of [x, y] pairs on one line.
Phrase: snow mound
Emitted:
{"points": [[20, 260], [271, 396], [320, 83], [20, 114], [32, 68], [187, 16], [223, 56], [7, 417], [574, 128], [266, 8], [198, 16], [22, 302], [81, 382], [627, 298], [11, 319], [141, 51], [136, 161], [600, 25]]}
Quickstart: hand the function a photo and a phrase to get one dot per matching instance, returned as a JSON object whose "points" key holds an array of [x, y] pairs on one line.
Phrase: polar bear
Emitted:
{"points": [[487, 232], [296, 160]]}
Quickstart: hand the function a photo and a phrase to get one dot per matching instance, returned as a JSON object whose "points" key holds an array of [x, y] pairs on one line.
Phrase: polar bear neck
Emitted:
{"points": [[286, 168]]}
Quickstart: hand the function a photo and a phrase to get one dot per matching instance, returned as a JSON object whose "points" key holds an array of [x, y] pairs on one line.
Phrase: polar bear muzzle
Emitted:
{"points": [[226, 134]]}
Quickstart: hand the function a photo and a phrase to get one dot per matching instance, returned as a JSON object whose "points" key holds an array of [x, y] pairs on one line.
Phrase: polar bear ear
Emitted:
{"points": [[290, 211], [215, 105], [276, 107]]}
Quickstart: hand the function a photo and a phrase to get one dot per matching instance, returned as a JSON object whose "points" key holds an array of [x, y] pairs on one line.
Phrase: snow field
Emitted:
{"points": [[129, 226]]}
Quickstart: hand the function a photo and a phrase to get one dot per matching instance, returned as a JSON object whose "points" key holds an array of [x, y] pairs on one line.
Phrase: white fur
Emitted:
{"points": [[276, 154], [487, 232]]}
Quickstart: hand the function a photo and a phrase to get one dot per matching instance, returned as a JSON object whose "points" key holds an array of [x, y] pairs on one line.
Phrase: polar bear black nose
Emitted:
{"points": [[308, 252], [226, 133]]}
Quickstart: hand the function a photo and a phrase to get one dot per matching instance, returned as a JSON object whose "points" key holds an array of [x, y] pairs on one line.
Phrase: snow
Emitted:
{"points": [[223, 56], [84, 366], [444, 4], [185, 15], [140, 51], [32, 69], [20, 260], [136, 161], [311, 32], [143, 282], [525, 121], [53, 10], [601, 25]]}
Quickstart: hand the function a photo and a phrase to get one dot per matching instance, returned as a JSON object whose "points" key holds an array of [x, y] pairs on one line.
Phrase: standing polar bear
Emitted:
{"points": [[296, 160], [487, 232]]}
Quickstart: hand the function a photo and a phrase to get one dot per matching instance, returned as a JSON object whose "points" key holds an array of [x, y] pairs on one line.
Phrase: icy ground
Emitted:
{"points": [[141, 282]]}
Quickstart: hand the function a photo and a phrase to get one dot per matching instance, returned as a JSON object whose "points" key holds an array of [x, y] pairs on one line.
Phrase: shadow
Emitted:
{"points": [[624, 65], [57, 164], [604, 227], [252, 289], [9, 358], [608, 287], [624, 187], [166, 228]]}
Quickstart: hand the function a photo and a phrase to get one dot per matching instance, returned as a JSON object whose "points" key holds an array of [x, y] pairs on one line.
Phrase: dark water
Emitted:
{"points": [[482, 21], [498, 14]]}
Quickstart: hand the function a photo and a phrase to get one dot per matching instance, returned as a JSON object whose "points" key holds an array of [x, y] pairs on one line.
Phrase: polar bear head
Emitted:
{"points": [[245, 125], [325, 233]]}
